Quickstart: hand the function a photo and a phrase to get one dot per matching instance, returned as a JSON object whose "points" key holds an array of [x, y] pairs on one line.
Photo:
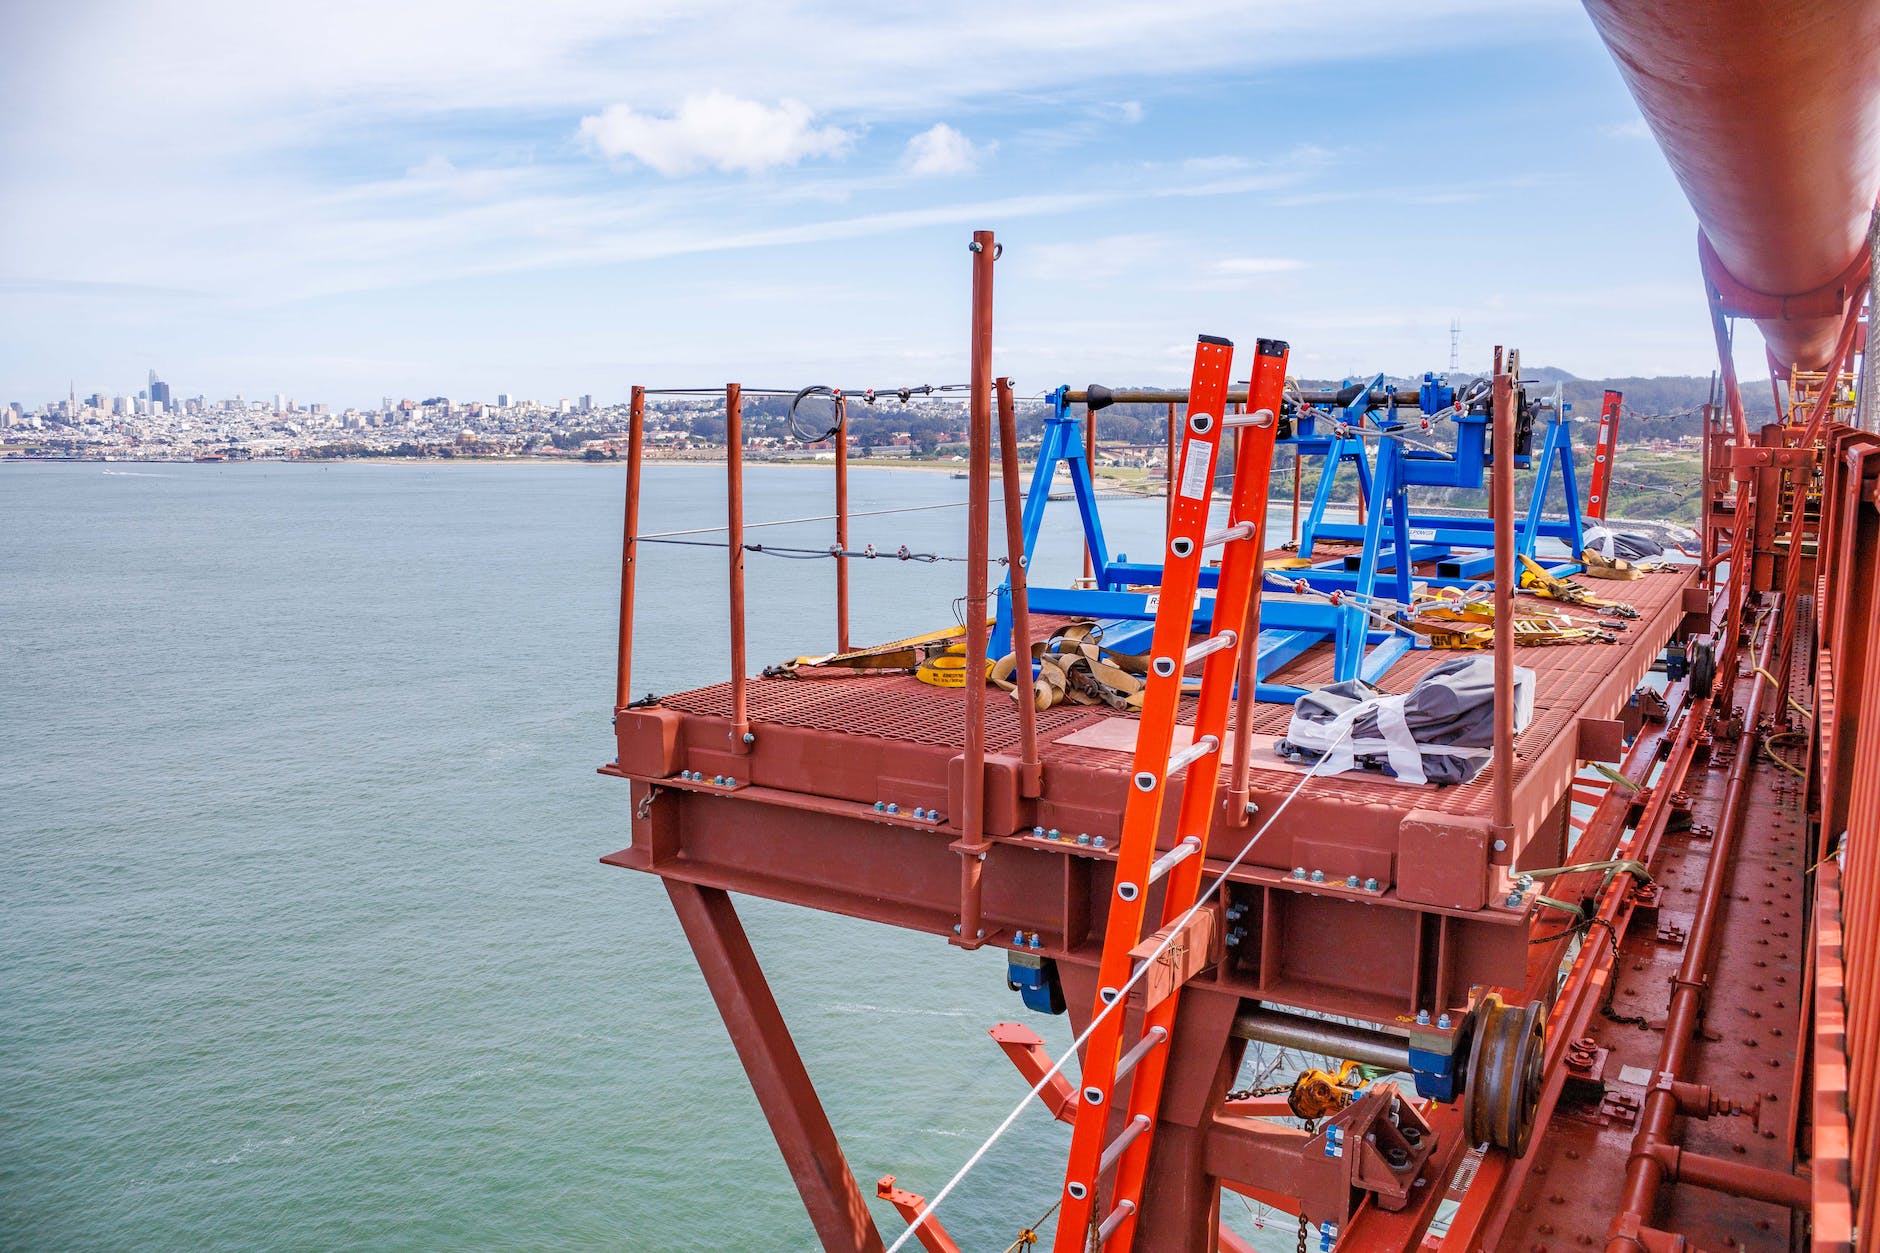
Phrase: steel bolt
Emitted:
{"points": [[1423, 1018], [749, 738], [893, 808], [881, 807], [1099, 841], [1442, 1022], [1055, 833], [1299, 872], [1501, 846], [1513, 901], [1351, 880], [1370, 885], [719, 779], [730, 781], [1037, 833], [1318, 876], [1083, 839]]}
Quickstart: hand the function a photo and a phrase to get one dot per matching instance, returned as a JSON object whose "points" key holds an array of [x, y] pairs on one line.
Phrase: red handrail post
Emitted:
{"points": [[629, 545], [1502, 822], [741, 737], [842, 524], [972, 845], [1030, 779], [1168, 477]]}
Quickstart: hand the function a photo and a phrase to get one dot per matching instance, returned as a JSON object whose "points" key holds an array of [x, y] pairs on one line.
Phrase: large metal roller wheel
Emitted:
{"points": [[1505, 1073]]}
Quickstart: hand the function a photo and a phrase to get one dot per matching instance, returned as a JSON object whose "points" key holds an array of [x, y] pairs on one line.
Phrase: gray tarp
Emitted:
{"points": [[1440, 731], [1621, 545]]}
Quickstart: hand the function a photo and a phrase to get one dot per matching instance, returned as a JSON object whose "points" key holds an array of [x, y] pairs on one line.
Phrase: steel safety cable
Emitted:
{"points": [[870, 553], [863, 513], [1174, 930]]}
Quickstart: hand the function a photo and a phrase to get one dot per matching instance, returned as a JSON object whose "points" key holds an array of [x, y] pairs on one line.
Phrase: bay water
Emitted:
{"points": [[303, 939]]}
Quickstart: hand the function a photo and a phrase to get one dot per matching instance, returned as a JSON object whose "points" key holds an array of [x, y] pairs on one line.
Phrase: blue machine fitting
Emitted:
{"points": [[1035, 978]]}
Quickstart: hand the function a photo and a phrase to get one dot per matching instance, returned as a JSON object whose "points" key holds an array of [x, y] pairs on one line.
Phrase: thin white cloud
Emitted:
{"points": [[1094, 260], [714, 131], [1634, 129], [1243, 266], [941, 150]]}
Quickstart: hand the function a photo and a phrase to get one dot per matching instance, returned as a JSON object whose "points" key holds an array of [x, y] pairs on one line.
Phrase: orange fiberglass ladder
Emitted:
{"points": [[1105, 1064]]}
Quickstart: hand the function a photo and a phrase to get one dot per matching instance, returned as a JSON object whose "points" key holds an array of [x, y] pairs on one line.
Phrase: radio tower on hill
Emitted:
{"points": [[1455, 345]]}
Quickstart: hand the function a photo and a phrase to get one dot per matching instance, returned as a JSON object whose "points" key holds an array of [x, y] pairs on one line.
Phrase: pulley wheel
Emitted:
{"points": [[1505, 1073], [1703, 667]]}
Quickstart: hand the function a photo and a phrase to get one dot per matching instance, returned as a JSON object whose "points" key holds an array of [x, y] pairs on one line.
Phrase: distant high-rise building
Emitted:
{"points": [[587, 404], [280, 402], [502, 400]]}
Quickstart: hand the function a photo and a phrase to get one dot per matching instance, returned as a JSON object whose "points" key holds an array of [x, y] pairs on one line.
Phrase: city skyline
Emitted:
{"points": [[348, 203]]}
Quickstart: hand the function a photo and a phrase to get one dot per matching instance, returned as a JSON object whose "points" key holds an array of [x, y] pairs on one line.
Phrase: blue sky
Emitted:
{"points": [[352, 200]]}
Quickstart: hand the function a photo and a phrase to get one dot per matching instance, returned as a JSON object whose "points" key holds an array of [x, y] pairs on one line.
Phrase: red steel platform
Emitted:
{"points": [[799, 821]]}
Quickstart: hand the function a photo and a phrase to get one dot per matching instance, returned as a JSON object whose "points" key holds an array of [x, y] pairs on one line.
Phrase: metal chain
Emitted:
{"points": [[1273, 1089]]}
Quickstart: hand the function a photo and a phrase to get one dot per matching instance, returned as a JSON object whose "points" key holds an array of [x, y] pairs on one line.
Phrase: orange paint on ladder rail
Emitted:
{"points": [[1142, 814]]}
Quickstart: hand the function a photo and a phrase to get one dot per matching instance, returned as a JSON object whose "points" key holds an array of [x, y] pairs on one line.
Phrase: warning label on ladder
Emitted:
{"points": [[1198, 469]]}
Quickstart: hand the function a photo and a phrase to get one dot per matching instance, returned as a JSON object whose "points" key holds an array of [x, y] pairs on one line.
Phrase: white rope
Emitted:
{"points": [[1174, 930]]}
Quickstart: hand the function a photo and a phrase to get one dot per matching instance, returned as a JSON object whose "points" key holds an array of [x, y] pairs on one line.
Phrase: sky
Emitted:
{"points": [[552, 198]]}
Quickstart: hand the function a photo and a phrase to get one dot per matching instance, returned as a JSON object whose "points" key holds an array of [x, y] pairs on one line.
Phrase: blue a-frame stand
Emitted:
{"points": [[1121, 594]]}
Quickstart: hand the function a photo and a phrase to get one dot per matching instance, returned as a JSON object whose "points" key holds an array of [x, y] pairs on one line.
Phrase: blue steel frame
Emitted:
{"points": [[1460, 545], [1289, 624]]}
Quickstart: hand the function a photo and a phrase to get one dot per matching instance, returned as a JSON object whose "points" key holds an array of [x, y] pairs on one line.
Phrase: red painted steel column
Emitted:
{"points": [[842, 524], [1502, 822], [775, 1069], [1030, 779], [1645, 1171], [629, 546], [734, 527], [972, 843]]}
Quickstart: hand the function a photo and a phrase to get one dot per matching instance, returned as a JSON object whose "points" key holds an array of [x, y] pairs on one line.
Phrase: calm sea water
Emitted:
{"points": [[303, 941]]}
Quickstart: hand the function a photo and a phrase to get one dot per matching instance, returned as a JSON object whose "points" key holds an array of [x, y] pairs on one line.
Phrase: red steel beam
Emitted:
{"points": [[629, 545], [830, 1194]]}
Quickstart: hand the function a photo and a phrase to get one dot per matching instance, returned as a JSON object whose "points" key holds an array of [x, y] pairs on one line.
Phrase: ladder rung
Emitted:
{"points": [[1137, 1125], [1240, 530], [1213, 644], [1194, 752], [1108, 1226], [1156, 1036], [1189, 846]]}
